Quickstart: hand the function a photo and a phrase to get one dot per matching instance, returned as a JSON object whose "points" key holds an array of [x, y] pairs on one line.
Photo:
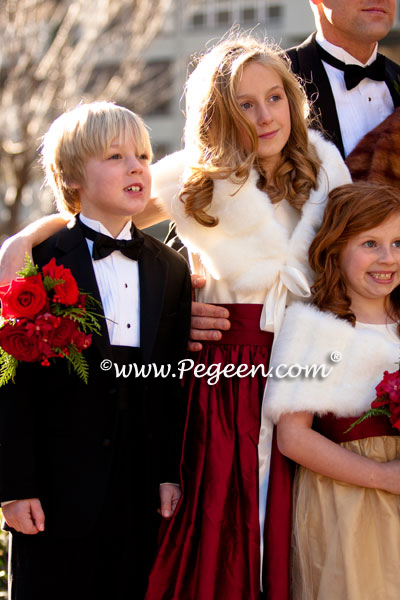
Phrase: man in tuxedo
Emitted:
{"points": [[351, 86], [81, 465], [349, 102]]}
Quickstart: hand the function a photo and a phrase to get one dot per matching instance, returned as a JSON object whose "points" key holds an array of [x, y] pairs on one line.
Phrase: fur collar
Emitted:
{"points": [[309, 336], [248, 247]]}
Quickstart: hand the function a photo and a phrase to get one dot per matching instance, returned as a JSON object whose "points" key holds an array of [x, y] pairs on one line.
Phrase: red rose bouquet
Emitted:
{"points": [[387, 401], [44, 316]]}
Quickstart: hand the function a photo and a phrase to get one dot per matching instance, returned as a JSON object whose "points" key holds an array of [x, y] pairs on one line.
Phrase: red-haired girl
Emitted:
{"points": [[346, 525]]}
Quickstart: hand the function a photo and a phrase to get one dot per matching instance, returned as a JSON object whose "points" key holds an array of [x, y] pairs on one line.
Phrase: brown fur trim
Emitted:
{"points": [[377, 156]]}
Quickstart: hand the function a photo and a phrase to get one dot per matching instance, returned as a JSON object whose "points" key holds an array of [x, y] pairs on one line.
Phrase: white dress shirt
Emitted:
{"points": [[118, 281], [364, 107]]}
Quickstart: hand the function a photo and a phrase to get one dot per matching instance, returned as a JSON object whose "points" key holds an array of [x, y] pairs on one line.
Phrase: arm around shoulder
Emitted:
{"points": [[14, 249]]}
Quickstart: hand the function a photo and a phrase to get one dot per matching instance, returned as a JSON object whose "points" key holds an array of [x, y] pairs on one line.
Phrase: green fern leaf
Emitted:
{"points": [[372, 412], [77, 361], [50, 282], [29, 268], [8, 367]]}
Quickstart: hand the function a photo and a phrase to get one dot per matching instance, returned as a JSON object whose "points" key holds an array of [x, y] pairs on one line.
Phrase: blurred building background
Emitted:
{"points": [[190, 26], [137, 56]]}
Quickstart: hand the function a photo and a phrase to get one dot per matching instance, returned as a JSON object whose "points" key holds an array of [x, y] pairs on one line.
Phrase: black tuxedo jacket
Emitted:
{"points": [[57, 434], [307, 64]]}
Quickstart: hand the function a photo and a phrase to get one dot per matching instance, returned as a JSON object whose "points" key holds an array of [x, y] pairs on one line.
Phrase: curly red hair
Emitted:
{"points": [[351, 209]]}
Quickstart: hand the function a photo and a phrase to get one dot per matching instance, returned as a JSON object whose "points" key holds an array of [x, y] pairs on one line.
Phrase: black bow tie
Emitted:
{"points": [[103, 245], [353, 74]]}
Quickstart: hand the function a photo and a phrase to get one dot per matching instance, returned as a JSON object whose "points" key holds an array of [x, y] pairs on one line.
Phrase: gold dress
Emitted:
{"points": [[346, 538]]}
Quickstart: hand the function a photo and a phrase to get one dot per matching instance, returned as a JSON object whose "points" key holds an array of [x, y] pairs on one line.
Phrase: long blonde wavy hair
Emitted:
{"points": [[214, 122]]}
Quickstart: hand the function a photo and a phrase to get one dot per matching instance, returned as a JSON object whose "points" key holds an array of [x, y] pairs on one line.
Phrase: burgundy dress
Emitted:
{"points": [[211, 548]]}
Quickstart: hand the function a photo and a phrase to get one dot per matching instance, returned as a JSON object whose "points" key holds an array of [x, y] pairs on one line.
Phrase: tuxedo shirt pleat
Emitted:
{"points": [[118, 282], [364, 107]]}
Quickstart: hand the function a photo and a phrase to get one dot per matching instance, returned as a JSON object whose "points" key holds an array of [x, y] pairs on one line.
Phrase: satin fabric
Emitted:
{"points": [[211, 549], [346, 538]]}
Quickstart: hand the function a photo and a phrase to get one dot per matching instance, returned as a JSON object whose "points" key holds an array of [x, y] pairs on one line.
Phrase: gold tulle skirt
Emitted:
{"points": [[346, 539]]}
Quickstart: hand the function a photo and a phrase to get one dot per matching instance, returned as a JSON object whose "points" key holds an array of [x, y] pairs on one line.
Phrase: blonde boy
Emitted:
{"points": [[81, 466]]}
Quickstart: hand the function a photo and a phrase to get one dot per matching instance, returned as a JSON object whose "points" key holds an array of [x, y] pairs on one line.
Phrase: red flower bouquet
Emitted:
{"points": [[44, 316], [387, 401]]}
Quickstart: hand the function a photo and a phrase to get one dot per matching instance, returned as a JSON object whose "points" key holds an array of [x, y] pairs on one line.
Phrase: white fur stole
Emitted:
{"points": [[310, 337], [248, 247]]}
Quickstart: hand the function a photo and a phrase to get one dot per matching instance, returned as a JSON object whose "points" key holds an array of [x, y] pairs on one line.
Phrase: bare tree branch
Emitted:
{"points": [[53, 54]]}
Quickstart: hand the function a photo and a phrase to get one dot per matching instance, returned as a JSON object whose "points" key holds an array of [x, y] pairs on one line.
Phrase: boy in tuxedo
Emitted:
{"points": [[81, 465]]}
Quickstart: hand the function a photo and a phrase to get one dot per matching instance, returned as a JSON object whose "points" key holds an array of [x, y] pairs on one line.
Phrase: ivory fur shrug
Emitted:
{"points": [[309, 337], [249, 252]]}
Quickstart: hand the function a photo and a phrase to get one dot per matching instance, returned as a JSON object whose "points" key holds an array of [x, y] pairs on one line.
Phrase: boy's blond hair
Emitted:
{"points": [[86, 132]]}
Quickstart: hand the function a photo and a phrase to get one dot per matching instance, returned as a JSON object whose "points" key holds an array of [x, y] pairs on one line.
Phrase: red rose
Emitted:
{"points": [[390, 385], [67, 292], [20, 343], [395, 415], [23, 298], [82, 341], [65, 333]]}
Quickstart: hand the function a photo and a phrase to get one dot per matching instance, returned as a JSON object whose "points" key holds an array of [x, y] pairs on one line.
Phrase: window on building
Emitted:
{"points": [[223, 17], [248, 15], [275, 14], [199, 20]]}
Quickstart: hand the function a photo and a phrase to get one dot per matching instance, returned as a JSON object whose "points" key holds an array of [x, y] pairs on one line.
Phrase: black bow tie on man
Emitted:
{"points": [[103, 245], [353, 74]]}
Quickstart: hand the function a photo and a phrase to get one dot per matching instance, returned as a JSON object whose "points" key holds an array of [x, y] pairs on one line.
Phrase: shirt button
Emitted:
{"points": [[126, 285], [128, 325]]}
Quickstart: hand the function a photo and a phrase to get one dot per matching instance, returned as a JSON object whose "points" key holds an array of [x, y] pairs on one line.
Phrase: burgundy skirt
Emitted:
{"points": [[211, 548]]}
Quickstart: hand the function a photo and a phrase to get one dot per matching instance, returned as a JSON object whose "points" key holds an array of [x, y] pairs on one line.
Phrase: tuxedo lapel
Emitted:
{"points": [[392, 75], [153, 271], [74, 254], [318, 89]]}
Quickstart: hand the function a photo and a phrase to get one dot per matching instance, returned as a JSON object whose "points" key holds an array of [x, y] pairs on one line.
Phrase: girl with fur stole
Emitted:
{"points": [[346, 524], [247, 195]]}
